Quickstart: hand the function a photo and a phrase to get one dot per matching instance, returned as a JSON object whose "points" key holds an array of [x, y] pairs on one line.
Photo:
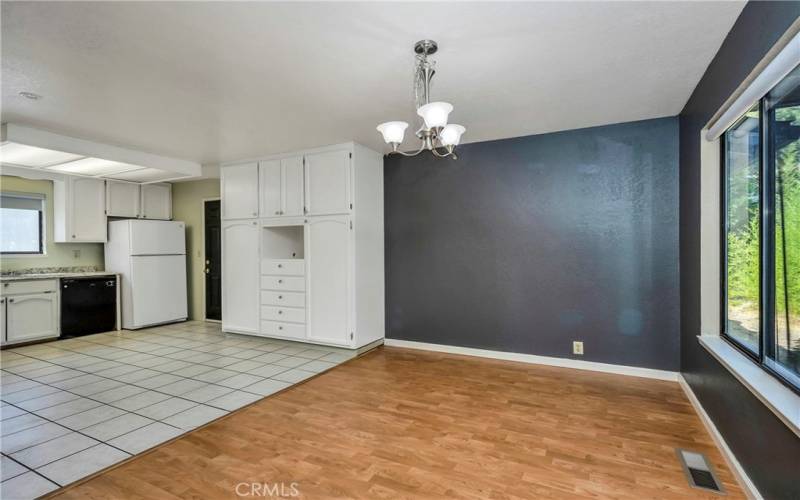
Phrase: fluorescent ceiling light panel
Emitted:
{"points": [[94, 166], [146, 175], [31, 156]]}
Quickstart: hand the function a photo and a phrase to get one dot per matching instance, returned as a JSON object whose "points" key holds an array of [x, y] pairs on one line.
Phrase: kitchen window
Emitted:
{"points": [[761, 236], [21, 224]]}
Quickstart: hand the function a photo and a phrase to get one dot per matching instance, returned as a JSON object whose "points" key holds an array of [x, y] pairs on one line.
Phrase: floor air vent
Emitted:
{"points": [[698, 471]]}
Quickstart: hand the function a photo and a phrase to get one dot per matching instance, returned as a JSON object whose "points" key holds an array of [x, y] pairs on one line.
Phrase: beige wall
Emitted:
{"points": [[187, 206], [56, 254]]}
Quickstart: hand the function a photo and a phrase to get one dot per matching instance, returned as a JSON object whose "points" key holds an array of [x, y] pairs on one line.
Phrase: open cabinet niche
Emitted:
{"points": [[282, 242]]}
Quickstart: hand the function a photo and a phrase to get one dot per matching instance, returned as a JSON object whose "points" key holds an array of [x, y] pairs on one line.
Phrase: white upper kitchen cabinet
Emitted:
{"points": [[156, 201], [240, 276], [122, 199], [239, 191], [79, 209], [281, 187], [327, 183]]}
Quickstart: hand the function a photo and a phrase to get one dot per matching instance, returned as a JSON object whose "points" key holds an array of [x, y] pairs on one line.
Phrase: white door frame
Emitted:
{"points": [[203, 251]]}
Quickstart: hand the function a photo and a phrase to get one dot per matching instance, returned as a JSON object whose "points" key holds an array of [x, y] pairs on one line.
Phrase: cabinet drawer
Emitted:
{"points": [[290, 314], [290, 299], [292, 267], [33, 286], [291, 284], [276, 328]]}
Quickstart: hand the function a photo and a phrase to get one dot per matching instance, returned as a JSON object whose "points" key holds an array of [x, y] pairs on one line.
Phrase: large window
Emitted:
{"points": [[21, 223], [761, 219]]}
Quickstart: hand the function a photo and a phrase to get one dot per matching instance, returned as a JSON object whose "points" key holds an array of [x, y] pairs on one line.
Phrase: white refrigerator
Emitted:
{"points": [[150, 256]]}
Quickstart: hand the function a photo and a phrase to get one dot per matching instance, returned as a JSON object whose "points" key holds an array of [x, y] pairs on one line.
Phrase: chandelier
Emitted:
{"points": [[435, 132]]}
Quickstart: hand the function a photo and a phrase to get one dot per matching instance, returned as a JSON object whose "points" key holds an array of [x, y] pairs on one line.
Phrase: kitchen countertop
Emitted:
{"points": [[50, 276]]}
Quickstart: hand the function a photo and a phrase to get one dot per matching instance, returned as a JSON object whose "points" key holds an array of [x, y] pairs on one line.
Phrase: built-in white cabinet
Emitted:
{"points": [[122, 199], [327, 183], [328, 253], [79, 209], [156, 201], [29, 311], [133, 200], [239, 191], [305, 259], [281, 187], [241, 278]]}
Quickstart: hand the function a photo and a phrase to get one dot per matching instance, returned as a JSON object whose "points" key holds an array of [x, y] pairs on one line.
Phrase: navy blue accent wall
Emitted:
{"points": [[527, 244], [764, 446]]}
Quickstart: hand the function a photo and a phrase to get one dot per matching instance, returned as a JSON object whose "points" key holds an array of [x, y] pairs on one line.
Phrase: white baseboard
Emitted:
{"points": [[733, 464], [634, 371]]}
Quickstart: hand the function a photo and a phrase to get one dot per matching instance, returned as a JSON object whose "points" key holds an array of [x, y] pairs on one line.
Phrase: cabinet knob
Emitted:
{"points": [[73, 235], [280, 266], [11, 300], [280, 328], [280, 312], [280, 297], [5, 284], [277, 212], [255, 213], [280, 281]]}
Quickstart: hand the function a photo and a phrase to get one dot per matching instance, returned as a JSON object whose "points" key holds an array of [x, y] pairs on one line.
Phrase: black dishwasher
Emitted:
{"points": [[88, 305]]}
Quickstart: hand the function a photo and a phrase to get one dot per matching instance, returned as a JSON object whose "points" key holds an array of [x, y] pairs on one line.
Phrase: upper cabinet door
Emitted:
{"points": [[269, 178], [122, 199], [292, 186], [240, 191], [87, 210], [157, 201], [328, 183]]}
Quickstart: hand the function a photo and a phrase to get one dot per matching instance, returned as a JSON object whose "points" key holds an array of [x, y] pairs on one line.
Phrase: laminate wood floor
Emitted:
{"points": [[398, 423]]}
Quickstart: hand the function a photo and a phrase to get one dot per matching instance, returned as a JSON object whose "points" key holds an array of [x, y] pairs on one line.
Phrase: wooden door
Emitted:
{"points": [[213, 263]]}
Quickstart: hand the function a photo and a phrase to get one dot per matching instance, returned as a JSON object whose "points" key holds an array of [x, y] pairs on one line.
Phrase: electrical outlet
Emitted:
{"points": [[577, 347], [76, 254]]}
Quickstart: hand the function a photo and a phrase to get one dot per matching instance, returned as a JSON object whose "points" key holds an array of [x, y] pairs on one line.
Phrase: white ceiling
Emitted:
{"points": [[213, 82]]}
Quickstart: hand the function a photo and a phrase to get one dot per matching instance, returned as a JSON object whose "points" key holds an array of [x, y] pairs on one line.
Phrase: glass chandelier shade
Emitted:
{"points": [[393, 132], [435, 113]]}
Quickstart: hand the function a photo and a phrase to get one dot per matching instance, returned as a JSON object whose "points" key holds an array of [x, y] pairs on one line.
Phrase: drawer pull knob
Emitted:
{"points": [[280, 312], [280, 281], [280, 297], [280, 266], [280, 328]]}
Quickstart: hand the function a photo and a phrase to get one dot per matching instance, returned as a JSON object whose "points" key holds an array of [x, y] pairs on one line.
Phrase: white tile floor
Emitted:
{"points": [[73, 407]]}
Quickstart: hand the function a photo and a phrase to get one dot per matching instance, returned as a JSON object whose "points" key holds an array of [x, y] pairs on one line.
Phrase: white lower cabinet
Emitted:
{"points": [[240, 272], [30, 311], [328, 241]]}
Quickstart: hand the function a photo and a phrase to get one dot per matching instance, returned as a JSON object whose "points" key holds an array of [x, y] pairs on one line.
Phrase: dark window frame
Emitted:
{"points": [[41, 249], [766, 189]]}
